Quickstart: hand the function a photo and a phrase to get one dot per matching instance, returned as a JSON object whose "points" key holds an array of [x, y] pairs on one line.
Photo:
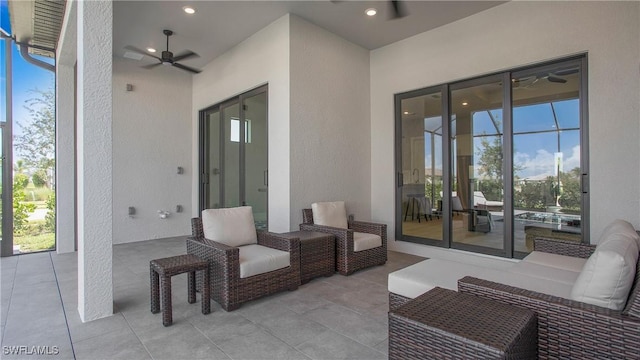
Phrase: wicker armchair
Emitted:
{"points": [[347, 260], [227, 288], [569, 329]]}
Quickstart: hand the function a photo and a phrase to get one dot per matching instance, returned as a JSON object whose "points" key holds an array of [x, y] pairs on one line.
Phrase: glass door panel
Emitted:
{"points": [[255, 156], [231, 155], [421, 162], [213, 181], [476, 178], [546, 154]]}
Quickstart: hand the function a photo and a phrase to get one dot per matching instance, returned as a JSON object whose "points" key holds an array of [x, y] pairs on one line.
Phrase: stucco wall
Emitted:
{"points": [[262, 58], [330, 127], [151, 138], [512, 35]]}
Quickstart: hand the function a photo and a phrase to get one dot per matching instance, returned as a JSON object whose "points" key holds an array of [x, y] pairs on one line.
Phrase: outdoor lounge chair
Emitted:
{"points": [[356, 246], [244, 264]]}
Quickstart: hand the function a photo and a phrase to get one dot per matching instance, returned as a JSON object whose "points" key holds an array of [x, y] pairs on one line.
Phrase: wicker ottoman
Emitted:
{"points": [[317, 254], [443, 323], [162, 270]]}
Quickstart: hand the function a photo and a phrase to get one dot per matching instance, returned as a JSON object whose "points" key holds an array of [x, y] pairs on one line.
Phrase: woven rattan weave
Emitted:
{"points": [[349, 261], [444, 324], [161, 271], [317, 254], [569, 329], [227, 287]]}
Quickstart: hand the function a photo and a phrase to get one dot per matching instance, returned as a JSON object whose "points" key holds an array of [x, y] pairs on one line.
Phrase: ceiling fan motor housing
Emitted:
{"points": [[167, 56]]}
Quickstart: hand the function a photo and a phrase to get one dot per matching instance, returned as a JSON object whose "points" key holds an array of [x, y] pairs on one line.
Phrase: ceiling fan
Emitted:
{"points": [[554, 77], [167, 57]]}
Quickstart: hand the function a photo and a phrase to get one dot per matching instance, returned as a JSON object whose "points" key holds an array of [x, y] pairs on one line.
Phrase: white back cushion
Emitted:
{"points": [[330, 214], [608, 274], [230, 226], [619, 227]]}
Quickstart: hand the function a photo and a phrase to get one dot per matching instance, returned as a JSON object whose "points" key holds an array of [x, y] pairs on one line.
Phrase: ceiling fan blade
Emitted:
{"points": [[565, 72], [151, 66], [142, 52], [397, 9], [185, 55], [183, 67], [556, 79]]}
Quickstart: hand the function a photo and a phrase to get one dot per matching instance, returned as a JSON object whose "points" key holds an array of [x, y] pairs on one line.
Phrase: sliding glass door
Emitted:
{"points": [[507, 165], [233, 154]]}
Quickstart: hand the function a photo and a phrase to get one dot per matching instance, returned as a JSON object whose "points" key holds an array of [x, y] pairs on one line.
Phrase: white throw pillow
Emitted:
{"points": [[619, 227], [332, 214], [608, 274], [230, 226]]}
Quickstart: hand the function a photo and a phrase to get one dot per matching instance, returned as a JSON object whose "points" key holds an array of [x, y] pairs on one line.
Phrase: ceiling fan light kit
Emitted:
{"points": [[167, 57]]}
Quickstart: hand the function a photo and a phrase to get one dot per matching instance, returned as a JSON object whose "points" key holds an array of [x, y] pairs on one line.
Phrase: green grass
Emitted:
{"points": [[35, 243], [37, 194]]}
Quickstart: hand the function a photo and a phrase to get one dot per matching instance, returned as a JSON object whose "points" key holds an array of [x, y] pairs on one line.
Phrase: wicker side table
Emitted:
{"points": [[443, 323], [317, 254], [161, 271]]}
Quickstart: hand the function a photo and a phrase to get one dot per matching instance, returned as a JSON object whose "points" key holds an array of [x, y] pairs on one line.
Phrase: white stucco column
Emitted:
{"points": [[94, 159], [65, 164], [65, 132]]}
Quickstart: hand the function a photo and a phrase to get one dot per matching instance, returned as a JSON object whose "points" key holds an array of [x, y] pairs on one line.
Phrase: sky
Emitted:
{"points": [[26, 77], [534, 153]]}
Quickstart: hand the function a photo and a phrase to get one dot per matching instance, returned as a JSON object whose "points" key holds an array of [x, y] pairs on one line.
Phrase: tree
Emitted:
{"points": [[21, 209], [36, 143], [40, 178]]}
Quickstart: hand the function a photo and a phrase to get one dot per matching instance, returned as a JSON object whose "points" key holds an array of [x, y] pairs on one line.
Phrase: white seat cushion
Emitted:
{"points": [[607, 276], [258, 259], [230, 226], [332, 214], [419, 278], [570, 263], [544, 272], [365, 241]]}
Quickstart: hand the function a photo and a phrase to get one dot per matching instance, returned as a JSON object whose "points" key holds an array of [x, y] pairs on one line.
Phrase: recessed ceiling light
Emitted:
{"points": [[151, 50], [371, 11], [189, 10], [465, 103]]}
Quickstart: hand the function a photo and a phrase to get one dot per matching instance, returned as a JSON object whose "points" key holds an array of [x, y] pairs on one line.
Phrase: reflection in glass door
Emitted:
{"points": [[477, 162], [233, 161], [547, 170], [420, 179]]}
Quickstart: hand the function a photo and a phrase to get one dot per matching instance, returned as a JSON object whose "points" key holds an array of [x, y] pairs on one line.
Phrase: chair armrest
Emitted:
{"points": [[210, 248], [563, 247], [344, 237], [368, 227], [564, 324]]}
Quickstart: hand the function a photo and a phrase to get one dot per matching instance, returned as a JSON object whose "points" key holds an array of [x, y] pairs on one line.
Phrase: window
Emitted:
{"points": [[235, 130], [486, 167]]}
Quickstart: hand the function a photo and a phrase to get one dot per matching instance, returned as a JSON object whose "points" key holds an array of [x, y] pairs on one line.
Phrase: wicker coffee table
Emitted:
{"points": [[161, 272], [317, 254], [443, 323]]}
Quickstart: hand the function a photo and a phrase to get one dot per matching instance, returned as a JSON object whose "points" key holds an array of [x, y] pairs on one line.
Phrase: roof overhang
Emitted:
{"points": [[37, 23]]}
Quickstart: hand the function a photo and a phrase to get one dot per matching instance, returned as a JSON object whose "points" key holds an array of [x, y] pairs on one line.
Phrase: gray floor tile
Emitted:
{"points": [[292, 328], [259, 345], [383, 347], [115, 345], [330, 346], [220, 326], [81, 331], [179, 341], [349, 323], [336, 317]]}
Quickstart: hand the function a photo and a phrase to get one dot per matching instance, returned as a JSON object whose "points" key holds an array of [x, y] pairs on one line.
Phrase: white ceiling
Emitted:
{"points": [[217, 26]]}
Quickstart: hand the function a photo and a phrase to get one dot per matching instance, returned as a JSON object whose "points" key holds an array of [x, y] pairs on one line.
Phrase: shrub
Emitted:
{"points": [[50, 219]]}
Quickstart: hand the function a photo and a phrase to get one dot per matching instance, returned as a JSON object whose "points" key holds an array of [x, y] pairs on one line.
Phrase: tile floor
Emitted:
{"points": [[328, 318]]}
